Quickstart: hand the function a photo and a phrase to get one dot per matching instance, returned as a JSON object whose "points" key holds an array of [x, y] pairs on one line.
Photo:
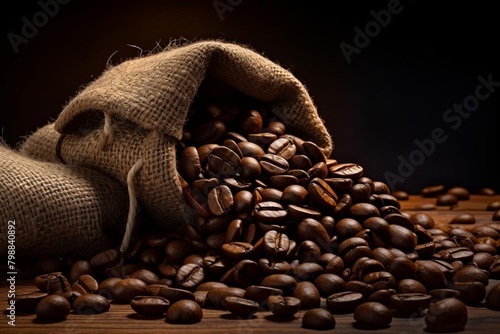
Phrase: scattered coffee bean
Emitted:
{"points": [[53, 308], [319, 319], [372, 315], [150, 305], [446, 316], [184, 312]]}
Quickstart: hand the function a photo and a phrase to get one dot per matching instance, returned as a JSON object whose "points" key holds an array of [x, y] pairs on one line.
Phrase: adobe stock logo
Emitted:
{"points": [[453, 119], [372, 29], [30, 28]]}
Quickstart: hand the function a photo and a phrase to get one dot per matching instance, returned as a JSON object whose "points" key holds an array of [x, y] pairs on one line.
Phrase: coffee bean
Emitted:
{"points": [[423, 219], [493, 206], [126, 289], [312, 151], [321, 193], [237, 250], [346, 170], [189, 276], [276, 244], [260, 293], [446, 316], [169, 293], [273, 164], [223, 162], [406, 304], [49, 264], [463, 219], [283, 147], [401, 195], [319, 319], [372, 315], [460, 192], [492, 300], [215, 297], [432, 191], [496, 215], [471, 292], [382, 296], [190, 165], [90, 303], [241, 307], [57, 284], [184, 312], [344, 302], [85, 284], [220, 200], [79, 268], [446, 200], [308, 294], [53, 308], [294, 194], [270, 212], [283, 307], [280, 281], [150, 305]]}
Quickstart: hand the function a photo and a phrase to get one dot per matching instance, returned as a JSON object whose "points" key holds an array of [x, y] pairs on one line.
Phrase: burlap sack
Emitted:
{"points": [[127, 121], [56, 209]]}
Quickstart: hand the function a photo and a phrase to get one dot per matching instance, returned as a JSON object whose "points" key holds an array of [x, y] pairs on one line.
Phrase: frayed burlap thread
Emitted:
{"points": [[59, 209], [137, 110]]}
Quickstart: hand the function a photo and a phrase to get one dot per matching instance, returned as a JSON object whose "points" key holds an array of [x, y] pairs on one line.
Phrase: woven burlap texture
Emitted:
{"points": [[136, 111], [59, 209]]}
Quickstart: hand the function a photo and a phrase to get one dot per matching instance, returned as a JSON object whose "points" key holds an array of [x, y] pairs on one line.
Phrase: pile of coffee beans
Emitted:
{"points": [[281, 227]]}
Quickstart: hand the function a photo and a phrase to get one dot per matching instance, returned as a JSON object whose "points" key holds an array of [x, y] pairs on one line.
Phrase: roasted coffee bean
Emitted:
{"points": [[380, 280], [492, 300], [493, 206], [319, 319], [402, 267], [372, 315], [294, 194], [471, 292], [496, 216], [91, 303], [105, 288], [276, 244], [190, 165], [311, 229], [312, 151], [106, 261], [410, 285], [224, 162], [423, 220], [241, 307], [237, 250], [471, 273], [382, 296], [220, 200], [79, 268], [150, 305], [347, 228], [446, 316], [177, 250], [53, 308], [401, 195], [340, 185], [456, 253], [363, 211], [260, 293], [402, 237], [446, 200], [307, 271], [346, 170], [57, 284], [189, 276], [276, 127], [283, 147], [319, 170], [361, 192], [406, 304], [126, 289], [247, 273], [274, 164], [344, 302], [85, 284], [463, 219], [250, 149], [184, 312], [432, 191], [270, 212], [460, 192], [169, 293], [440, 294], [49, 264], [483, 260], [299, 213], [283, 307], [271, 266], [430, 275], [250, 121], [215, 297], [271, 195], [27, 302], [280, 182], [280, 281], [321, 193], [328, 284]]}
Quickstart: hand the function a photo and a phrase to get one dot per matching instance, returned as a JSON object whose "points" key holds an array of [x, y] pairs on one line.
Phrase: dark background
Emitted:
{"points": [[395, 91]]}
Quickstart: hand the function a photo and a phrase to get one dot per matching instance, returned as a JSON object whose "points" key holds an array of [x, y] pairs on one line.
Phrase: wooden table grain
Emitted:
{"points": [[122, 319]]}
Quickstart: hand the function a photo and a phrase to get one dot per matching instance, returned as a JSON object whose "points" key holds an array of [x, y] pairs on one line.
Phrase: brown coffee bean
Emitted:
{"points": [[90, 303], [53, 308], [250, 149], [492, 300], [380, 280], [446, 200], [299, 213], [382, 296], [344, 302], [283, 307], [276, 244], [241, 307], [460, 192], [280, 281], [184, 312], [496, 215], [189, 276], [321, 193], [79, 268], [432, 191], [260, 293], [57, 284], [406, 304], [294, 194], [215, 296], [423, 220], [150, 305], [273, 164], [471, 293], [126, 289], [270, 212], [220, 200], [346, 170], [312, 151], [283, 147], [463, 219], [363, 211], [169, 293], [319, 319], [446, 316], [85, 284], [372, 315], [409, 285], [272, 266], [328, 284], [190, 165], [440, 294]]}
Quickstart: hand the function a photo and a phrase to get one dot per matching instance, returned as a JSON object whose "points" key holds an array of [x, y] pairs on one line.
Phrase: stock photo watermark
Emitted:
{"points": [[453, 118], [362, 38], [31, 26], [223, 6]]}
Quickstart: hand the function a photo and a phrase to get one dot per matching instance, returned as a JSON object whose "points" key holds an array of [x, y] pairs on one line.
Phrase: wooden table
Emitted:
{"points": [[122, 319]]}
